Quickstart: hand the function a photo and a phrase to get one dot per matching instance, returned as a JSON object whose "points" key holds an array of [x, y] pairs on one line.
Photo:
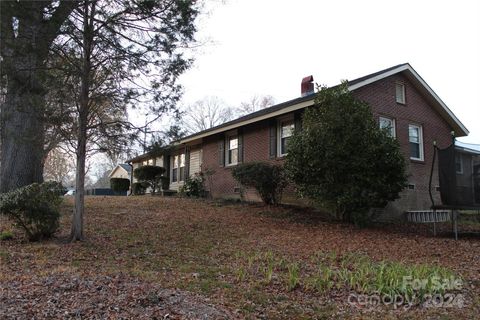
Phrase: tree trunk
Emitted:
{"points": [[22, 134], [22, 111], [79, 209], [83, 110], [24, 50]]}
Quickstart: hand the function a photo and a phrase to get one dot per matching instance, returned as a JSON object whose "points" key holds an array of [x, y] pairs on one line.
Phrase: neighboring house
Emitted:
{"points": [[122, 170], [399, 97]]}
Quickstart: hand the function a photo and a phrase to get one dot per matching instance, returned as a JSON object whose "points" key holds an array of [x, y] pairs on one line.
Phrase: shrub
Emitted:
{"points": [[34, 209], [139, 188], [150, 174], [119, 184], [269, 180], [165, 182], [57, 188], [194, 187], [342, 159]]}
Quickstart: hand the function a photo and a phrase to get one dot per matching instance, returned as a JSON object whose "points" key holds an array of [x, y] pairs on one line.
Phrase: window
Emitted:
{"points": [[411, 186], [400, 93], [182, 167], [178, 167], [175, 169], [389, 124], [458, 164], [232, 149], [285, 131], [416, 142]]}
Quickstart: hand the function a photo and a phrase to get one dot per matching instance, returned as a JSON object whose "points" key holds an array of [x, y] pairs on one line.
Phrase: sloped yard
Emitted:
{"points": [[169, 258]]}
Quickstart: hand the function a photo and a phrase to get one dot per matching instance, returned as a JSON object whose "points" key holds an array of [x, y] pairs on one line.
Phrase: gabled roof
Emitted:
{"points": [[141, 157], [422, 86], [302, 102], [127, 167], [124, 166], [273, 111], [306, 101]]}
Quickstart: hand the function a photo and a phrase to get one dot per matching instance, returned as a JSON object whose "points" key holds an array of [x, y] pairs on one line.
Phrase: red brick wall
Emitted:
{"points": [[381, 97], [256, 142]]}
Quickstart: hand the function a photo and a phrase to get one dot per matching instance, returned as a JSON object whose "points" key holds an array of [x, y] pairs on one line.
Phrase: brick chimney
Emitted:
{"points": [[307, 86]]}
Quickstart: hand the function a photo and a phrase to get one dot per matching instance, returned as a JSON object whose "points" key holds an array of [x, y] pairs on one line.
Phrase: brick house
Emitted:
{"points": [[399, 97]]}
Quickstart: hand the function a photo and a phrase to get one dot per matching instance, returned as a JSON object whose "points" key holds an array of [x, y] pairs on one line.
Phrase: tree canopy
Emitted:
{"points": [[342, 159]]}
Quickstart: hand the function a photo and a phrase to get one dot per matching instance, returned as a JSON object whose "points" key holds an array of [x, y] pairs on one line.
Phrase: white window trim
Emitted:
{"points": [[172, 162], [420, 141], [403, 92], [279, 133], [394, 127], [228, 135]]}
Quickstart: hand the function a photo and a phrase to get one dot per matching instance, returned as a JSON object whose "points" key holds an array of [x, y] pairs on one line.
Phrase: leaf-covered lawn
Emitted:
{"points": [[148, 257]]}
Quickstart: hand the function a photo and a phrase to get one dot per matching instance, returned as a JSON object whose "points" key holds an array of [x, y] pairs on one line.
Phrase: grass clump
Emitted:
{"points": [[6, 235], [348, 272]]}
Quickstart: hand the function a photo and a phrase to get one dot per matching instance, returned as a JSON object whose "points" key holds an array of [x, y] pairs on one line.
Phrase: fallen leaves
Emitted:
{"points": [[152, 257]]}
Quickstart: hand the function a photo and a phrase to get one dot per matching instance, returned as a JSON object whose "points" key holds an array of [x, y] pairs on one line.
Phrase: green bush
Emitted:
{"points": [[151, 175], [342, 159], [194, 187], [57, 188], [165, 182], [119, 184], [34, 209], [139, 188], [269, 180]]}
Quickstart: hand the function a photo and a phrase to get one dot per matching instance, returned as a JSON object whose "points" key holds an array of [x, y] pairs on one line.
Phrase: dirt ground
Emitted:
{"points": [[171, 258]]}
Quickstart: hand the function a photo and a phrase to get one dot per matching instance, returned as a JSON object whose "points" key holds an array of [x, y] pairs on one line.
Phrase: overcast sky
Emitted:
{"points": [[265, 47]]}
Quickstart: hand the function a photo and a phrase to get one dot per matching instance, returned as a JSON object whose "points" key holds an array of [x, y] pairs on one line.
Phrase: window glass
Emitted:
{"points": [[415, 142], [286, 131], [175, 169], [182, 167], [182, 160], [400, 93], [232, 155], [389, 124]]}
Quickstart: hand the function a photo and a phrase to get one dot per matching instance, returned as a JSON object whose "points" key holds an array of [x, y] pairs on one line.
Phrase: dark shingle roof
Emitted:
{"points": [[255, 114], [372, 75], [127, 167], [285, 104], [274, 108]]}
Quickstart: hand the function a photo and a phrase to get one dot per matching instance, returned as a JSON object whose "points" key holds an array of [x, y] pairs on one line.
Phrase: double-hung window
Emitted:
{"points": [[285, 131], [182, 167], [232, 149], [178, 167], [388, 124], [415, 139], [175, 169]]}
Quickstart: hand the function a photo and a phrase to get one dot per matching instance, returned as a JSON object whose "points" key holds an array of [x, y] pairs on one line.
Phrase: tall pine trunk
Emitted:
{"points": [[83, 110]]}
